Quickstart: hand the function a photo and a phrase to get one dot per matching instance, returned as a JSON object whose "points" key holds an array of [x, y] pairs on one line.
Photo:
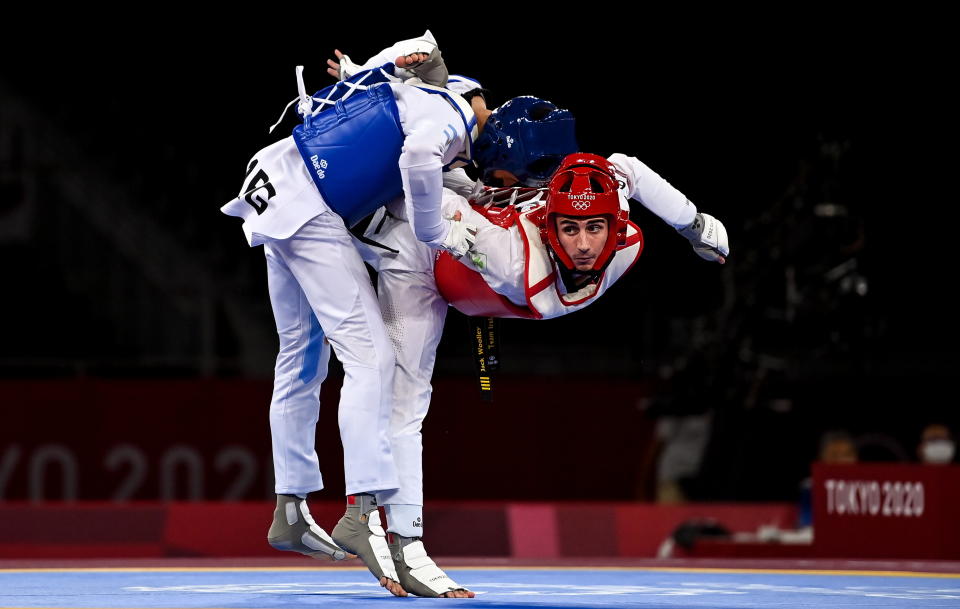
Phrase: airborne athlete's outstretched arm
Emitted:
{"points": [[706, 234]]}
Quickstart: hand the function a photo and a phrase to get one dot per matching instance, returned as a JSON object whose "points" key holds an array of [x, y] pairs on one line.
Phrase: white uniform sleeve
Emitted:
{"points": [[433, 134], [458, 181], [462, 84], [655, 193]]}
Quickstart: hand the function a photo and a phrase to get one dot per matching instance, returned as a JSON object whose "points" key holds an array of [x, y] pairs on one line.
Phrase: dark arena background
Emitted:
{"points": [[755, 434]]}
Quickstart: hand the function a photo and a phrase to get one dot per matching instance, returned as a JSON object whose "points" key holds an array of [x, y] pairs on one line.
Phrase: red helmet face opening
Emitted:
{"points": [[585, 186]]}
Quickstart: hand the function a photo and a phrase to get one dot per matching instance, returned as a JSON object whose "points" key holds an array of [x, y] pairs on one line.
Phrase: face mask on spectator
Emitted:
{"points": [[938, 451]]}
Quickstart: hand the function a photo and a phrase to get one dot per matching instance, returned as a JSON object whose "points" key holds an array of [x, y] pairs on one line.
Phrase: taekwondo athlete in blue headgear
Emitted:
{"points": [[352, 133], [363, 142], [524, 138]]}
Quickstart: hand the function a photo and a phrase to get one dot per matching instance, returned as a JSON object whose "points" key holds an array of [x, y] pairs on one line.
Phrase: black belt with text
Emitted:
{"points": [[485, 343]]}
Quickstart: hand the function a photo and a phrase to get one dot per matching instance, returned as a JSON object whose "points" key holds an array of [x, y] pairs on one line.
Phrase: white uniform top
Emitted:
{"points": [[637, 181], [279, 195]]}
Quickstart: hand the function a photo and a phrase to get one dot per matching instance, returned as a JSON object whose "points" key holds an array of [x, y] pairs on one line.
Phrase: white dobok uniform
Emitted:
{"points": [[512, 261], [322, 296]]}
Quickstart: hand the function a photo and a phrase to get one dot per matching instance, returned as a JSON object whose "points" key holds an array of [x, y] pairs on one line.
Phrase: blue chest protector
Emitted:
{"points": [[352, 145], [352, 142]]}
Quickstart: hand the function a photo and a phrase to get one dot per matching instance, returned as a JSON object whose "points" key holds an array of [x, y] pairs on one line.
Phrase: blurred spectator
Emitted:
{"points": [[837, 447], [936, 445], [683, 440]]}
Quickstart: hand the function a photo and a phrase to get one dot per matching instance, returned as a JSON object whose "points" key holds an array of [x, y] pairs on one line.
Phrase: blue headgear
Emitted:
{"points": [[528, 137]]}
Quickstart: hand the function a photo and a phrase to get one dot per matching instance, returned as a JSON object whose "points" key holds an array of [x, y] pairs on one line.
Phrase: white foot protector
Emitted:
{"points": [[360, 532], [418, 573], [293, 529]]}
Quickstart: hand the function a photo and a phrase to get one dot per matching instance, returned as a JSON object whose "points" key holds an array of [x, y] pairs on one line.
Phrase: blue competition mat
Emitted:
{"points": [[495, 588]]}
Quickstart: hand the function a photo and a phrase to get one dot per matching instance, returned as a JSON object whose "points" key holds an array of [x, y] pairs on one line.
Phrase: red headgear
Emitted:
{"points": [[584, 186]]}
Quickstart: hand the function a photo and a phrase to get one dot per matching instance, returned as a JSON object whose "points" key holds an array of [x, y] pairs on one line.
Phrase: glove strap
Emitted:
{"points": [[693, 230]]}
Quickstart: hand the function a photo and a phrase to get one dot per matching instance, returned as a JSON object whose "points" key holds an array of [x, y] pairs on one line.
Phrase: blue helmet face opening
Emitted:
{"points": [[527, 136]]}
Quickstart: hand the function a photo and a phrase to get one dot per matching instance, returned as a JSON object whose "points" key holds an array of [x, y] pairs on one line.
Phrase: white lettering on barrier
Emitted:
{"points": [[11, 457], [46, 456], [136, 459], [870, 497], [181, 457], [247, 474], [58, 463], [874, 498]]}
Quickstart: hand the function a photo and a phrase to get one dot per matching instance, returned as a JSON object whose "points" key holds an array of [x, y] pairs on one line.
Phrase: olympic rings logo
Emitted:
{"points": [[580, 205]]}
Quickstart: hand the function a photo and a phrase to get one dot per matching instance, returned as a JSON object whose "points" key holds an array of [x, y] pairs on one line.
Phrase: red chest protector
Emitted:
{"points": [[465, 289]]}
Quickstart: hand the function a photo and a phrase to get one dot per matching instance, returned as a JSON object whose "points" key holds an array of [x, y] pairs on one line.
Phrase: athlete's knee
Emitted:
{"points": [[409, 411], [385, 352], [406, 428]]}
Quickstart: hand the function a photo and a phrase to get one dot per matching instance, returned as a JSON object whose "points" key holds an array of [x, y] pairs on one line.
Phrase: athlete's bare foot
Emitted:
{"points": [[412, 60], [404, 61], [394, 587], [462, 593]]}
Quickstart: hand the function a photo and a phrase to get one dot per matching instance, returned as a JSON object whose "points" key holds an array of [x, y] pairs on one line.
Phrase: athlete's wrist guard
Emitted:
{"points": [[432, 70], [348, 68], [708, 237]]}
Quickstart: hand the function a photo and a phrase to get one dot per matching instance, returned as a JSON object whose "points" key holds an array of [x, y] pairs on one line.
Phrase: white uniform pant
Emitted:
{"points": [[413, 313], [322, 297]]}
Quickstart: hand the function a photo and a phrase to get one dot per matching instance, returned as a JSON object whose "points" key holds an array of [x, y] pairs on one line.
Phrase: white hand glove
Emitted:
{"points": [[461, 237], [708, 237]]}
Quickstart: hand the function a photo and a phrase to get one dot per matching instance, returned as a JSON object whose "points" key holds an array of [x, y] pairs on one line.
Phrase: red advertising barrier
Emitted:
{"points": [[209, 440], [477, 528], [887, 511]]}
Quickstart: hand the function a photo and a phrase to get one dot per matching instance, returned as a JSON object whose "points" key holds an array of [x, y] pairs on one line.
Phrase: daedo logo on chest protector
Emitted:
{"points": [[320, 165]]}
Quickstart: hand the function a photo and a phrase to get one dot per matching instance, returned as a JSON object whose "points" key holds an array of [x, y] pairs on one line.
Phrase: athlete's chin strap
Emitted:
{"points": [[575, 280]]}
